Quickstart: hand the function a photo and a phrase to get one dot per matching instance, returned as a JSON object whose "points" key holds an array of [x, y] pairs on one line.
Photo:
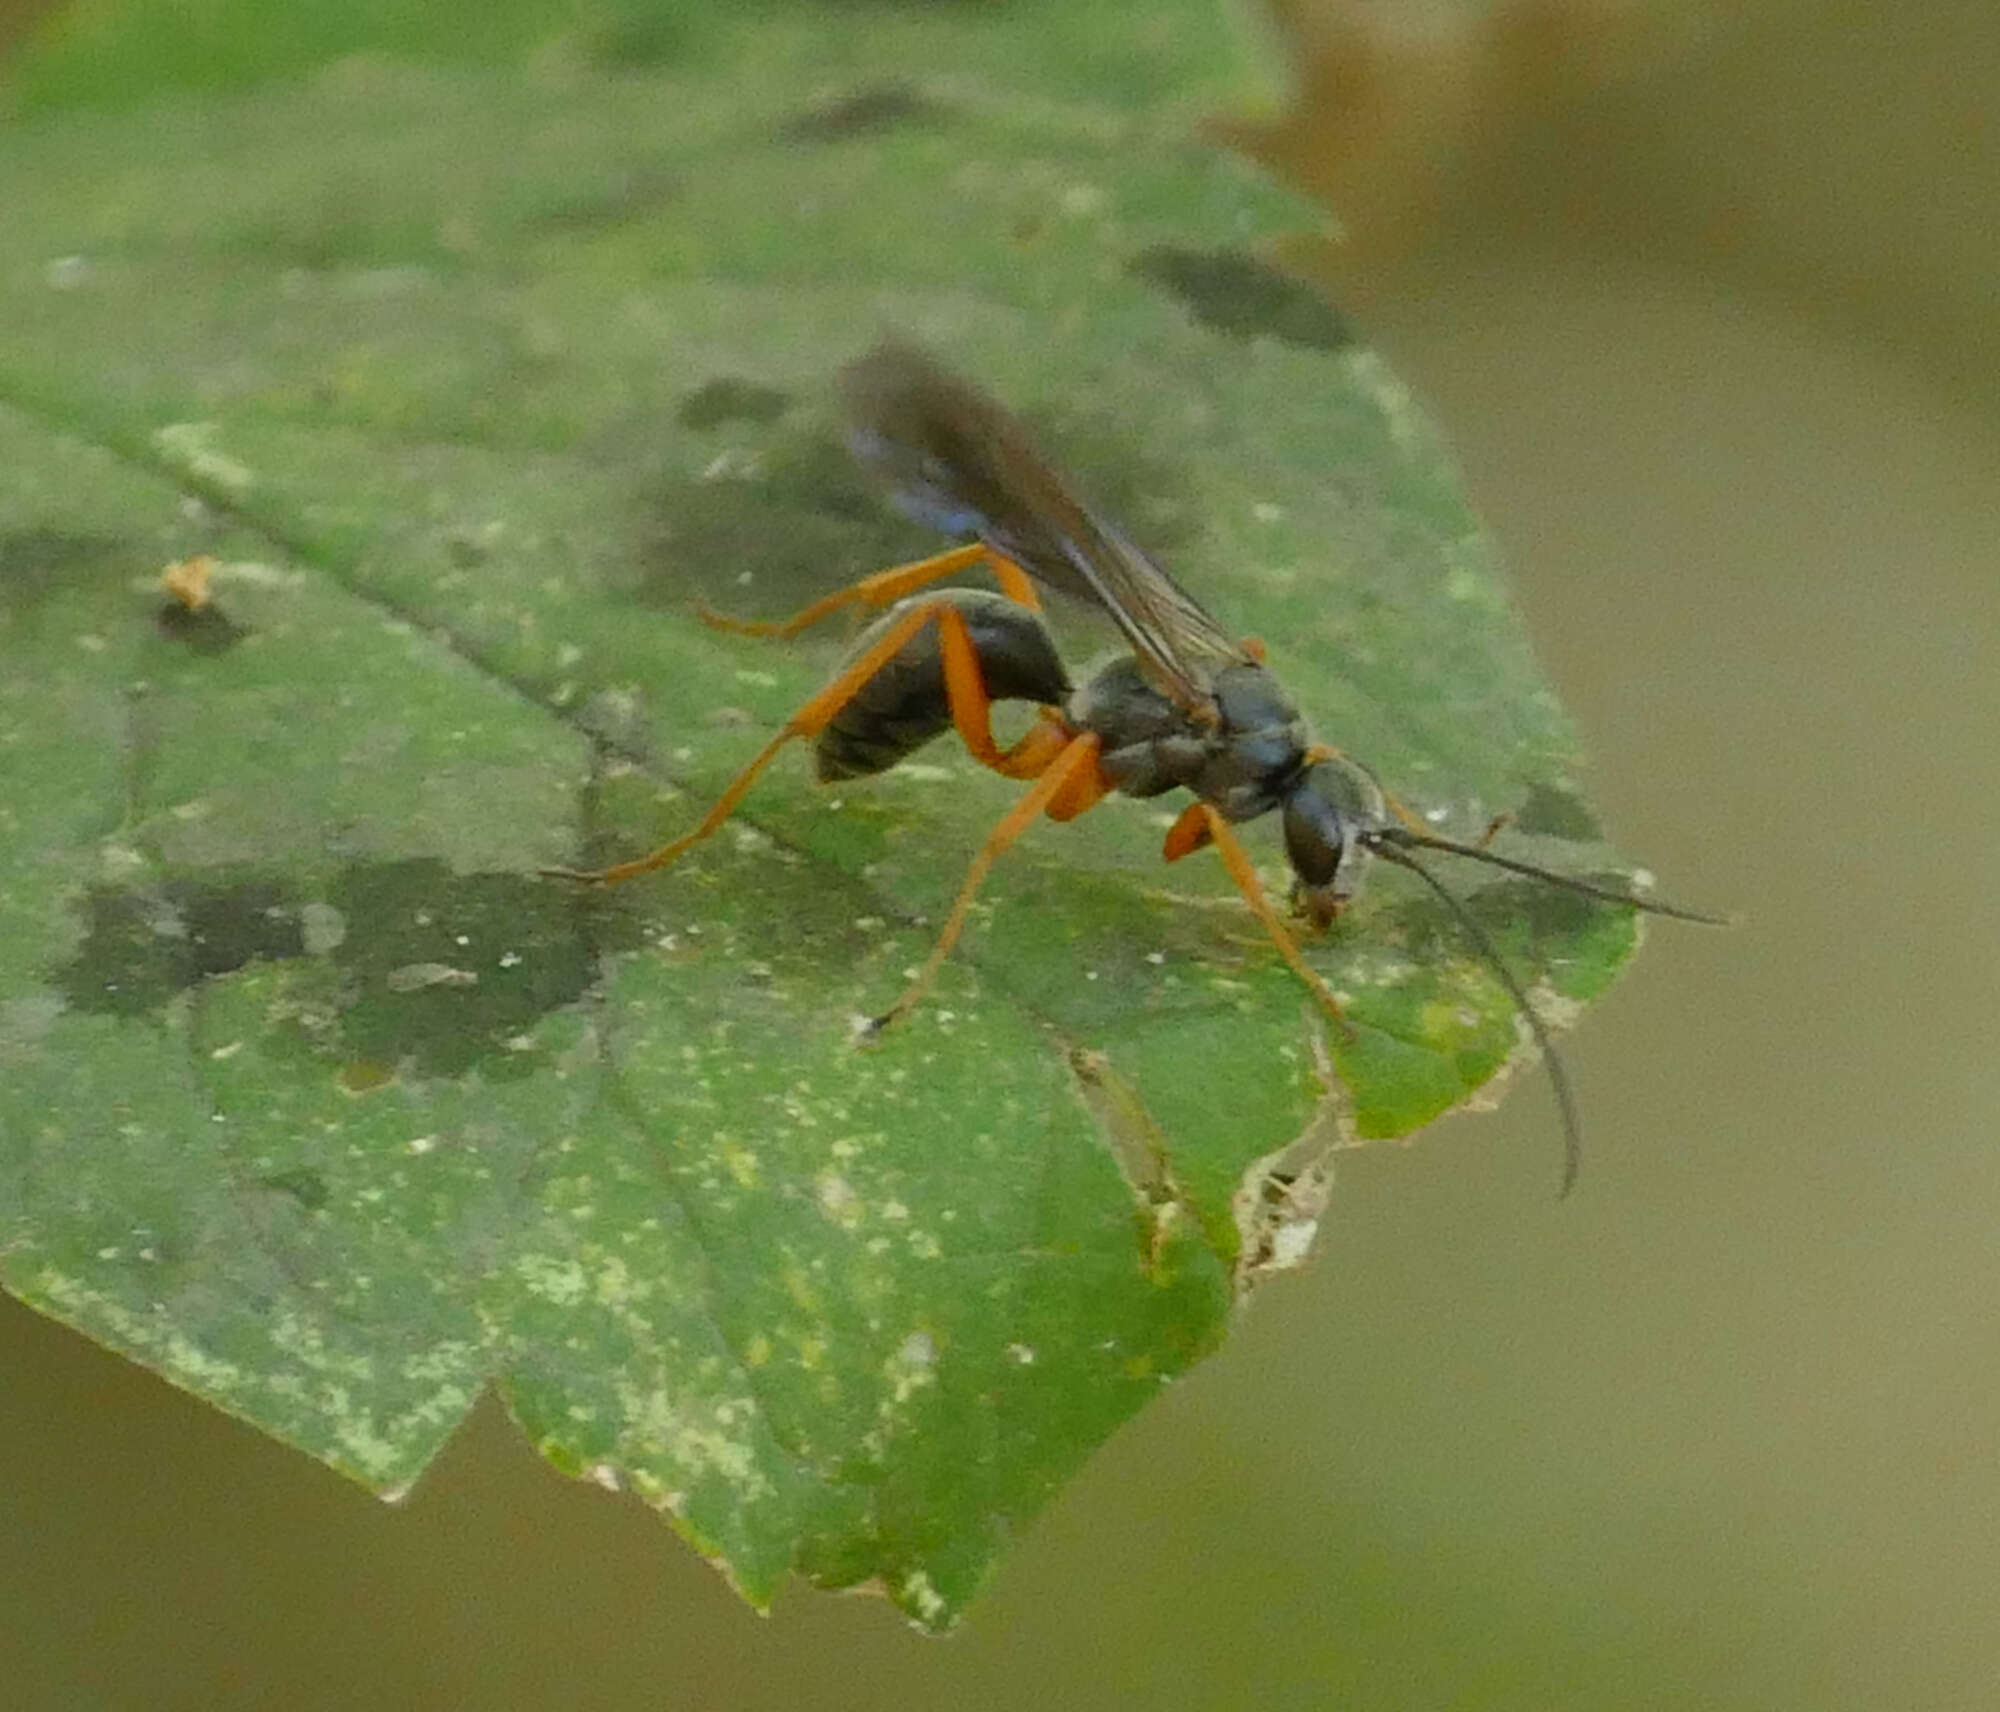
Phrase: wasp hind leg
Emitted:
{"points": [[971, 710]]}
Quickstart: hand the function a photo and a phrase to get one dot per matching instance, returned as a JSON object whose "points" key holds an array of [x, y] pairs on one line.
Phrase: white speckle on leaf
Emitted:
{"points": [[1022, 1353], [838, 1200], [692, 1432], [415, 977], [119, 861], [321, 928], [188, 446], [559, 1281], [732, 465], [921, 1597]]}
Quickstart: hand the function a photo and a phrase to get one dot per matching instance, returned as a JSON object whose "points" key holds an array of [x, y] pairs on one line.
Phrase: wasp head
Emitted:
{"points": [[1333, 814]]}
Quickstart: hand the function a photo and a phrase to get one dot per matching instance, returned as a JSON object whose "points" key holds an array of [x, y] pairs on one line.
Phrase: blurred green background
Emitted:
{"points": [[1704, 301]]}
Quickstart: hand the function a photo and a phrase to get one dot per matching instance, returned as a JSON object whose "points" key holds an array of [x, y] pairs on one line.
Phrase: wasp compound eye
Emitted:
{"points": [[1327, 817]]}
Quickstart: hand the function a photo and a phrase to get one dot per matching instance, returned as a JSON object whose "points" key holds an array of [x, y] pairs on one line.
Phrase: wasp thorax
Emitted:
{"points": [[1328, 816]]}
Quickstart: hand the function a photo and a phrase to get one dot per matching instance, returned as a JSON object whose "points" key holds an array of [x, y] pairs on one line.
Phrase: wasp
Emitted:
{"points": [[1188, 707]]}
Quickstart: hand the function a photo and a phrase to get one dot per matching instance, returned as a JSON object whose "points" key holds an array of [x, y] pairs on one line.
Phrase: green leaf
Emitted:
{"points": [[473, 378]]}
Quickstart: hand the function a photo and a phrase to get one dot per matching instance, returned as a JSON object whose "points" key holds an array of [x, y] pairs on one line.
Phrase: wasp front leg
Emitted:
{"points": [[1199, 826]]}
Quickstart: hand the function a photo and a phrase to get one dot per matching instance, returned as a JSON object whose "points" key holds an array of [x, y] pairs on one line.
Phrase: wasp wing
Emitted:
{"points": [[954, 459]]}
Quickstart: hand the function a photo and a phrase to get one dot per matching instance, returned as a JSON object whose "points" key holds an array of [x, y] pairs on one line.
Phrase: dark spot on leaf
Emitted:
{"points": [[506, 946], [629, 194], [766, 532], [438, 971], [208, 631], [228, 926], [36, 563], [1550, 911], [1517, 912], [1236, 294], [730, 399], [306, 1187], [364, 1076], [333, 228], [142, 947], [638, 35], [1557, 813], [882, 107]]}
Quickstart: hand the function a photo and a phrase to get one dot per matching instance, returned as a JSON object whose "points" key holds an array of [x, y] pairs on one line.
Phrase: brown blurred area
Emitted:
{"points": [[17, 18], [1841, 155]]}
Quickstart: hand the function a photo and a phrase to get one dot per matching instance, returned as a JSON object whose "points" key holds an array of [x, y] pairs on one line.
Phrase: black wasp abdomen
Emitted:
{"points": [[905, 704]]}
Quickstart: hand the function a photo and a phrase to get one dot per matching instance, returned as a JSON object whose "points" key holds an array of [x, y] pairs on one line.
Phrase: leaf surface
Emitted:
{"points": [[475, 373]]}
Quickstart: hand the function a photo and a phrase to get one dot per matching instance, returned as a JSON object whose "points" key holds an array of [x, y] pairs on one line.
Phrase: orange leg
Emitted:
{"points": [[972, 708], [885, 588], [1187, 834], [1073, 773], [971, 711], [1200, 825]]}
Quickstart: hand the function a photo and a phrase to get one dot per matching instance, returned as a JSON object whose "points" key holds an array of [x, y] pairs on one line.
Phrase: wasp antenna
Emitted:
{"points": [[1404, 838], [1489, 953]]}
